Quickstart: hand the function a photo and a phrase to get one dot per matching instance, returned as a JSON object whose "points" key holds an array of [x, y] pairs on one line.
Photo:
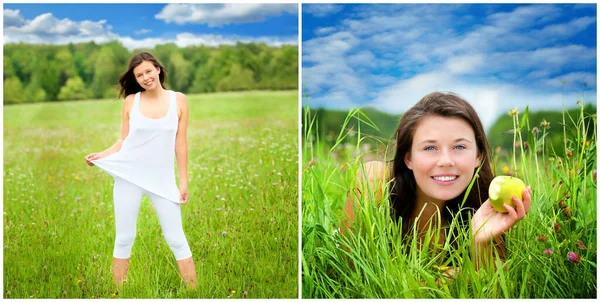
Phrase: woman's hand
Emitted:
{"points": [[487, 223], [183, 194], [93, 156]]}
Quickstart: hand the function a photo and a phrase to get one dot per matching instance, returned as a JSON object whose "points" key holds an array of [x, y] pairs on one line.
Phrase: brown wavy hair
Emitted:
{"points": [[127, 80], [404, 187]]}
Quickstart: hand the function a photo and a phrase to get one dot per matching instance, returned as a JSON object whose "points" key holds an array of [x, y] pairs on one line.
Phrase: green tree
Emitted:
{"points": [[73, 90], [34, 91], [13, 91], [9, 68], [180, 72], [238, 79]]}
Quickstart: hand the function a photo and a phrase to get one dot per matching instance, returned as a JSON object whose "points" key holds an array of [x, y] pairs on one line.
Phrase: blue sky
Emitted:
{"points": [[145, 25], [498, 57]]}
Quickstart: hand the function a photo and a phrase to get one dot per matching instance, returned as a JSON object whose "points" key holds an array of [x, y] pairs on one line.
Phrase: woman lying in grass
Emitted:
{"points": [[440, 144]]}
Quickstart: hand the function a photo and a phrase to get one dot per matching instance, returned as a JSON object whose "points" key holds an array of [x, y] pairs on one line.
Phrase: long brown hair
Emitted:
{"points": [[404, 187], [127, 80]]}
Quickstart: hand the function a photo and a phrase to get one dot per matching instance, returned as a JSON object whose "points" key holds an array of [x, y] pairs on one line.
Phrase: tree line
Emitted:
{"points": [[329, 124], [41, 73]]}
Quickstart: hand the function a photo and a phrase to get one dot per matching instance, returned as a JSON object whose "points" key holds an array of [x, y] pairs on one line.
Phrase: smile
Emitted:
{"points": [[445, 178]]}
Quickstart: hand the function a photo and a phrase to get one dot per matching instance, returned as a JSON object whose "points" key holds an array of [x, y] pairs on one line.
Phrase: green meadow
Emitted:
{"points": [[241, 220], [551, 253]]}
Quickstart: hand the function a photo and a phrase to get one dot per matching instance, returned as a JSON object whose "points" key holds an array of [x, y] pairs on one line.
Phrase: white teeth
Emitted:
{"points": [[444, 178]]}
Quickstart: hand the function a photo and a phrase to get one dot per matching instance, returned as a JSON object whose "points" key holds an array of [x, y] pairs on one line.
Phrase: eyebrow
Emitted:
{"points": [[142, 71], [433, 141]]}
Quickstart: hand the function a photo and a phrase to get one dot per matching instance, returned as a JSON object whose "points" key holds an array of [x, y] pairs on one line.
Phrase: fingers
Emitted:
{"points": [[511, 211], [184, 198], [519, 207], [527, 199]]}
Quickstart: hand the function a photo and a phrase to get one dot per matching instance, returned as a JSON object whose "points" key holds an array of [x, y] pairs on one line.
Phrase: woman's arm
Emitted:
{"points": [[181, 146], [127, 104], [489, 225]]}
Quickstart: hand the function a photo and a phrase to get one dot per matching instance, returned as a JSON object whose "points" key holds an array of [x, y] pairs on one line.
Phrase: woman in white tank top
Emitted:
{"points": [[153, 131]]}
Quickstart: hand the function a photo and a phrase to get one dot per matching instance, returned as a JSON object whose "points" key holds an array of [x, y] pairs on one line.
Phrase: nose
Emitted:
{"points": [[445, 159]]}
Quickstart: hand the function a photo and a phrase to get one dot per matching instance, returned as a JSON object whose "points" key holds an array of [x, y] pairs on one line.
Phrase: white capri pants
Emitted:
{"points": [[127, 199]]}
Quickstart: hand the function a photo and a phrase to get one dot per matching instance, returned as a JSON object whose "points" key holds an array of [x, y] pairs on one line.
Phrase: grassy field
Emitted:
{"points": [[378, 261], [241, 221]]}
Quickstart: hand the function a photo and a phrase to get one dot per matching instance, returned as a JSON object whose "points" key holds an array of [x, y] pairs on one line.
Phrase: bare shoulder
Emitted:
{"points": [[180, 97], [373, 171], [128, 102]]}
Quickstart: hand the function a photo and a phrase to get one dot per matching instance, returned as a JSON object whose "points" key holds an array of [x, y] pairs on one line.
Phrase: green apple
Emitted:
{"points": [[502, 189]]}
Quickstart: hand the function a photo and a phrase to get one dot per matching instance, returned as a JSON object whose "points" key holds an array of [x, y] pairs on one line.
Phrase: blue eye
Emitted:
{"points": [[460, 147], [429, 148]]}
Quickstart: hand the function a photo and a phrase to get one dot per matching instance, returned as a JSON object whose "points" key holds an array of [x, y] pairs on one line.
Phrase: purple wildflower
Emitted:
{"points": [[548, 252], [573, 257]]}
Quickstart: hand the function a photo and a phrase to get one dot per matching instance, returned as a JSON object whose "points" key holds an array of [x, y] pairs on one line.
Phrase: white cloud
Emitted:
{"points": [[48, 29], [465, 64], [215, 15], [525, 16], [489, 99], [363, 58], [324, 30], [572, 80], [321, 10], [142, 31], [13, 18], [443, 47]]}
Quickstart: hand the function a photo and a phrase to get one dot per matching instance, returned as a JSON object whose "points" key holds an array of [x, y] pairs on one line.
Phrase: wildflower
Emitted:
{"points": [[233, 292], [245, 294], [573, 257], [548, 252], [557, 228], [567, 212], [562, 204], [545, 124], [223, 233], [580, 245], [79, 281], [535, 131], [541, 238], [567, 196], [525, 146], [311, 162], [114, 294], [569, 153], [513, 112], [505, 169], [111, 217]]}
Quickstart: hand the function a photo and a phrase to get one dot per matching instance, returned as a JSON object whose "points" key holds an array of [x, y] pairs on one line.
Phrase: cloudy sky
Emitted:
{"points": [[145, 25], [497, 57]]}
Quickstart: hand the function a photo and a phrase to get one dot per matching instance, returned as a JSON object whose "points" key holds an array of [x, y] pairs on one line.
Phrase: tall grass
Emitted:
{"points": [[378, 261], [240, 222]]}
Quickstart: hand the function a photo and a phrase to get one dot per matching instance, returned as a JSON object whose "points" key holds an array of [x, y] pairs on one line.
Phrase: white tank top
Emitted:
{"points": [[146, 156]]}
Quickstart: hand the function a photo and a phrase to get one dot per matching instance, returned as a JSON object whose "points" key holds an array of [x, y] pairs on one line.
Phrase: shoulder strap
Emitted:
{"points": [[173, 102]]}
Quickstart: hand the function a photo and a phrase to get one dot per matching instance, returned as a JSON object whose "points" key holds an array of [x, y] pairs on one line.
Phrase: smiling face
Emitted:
{"points": [[146, 74], [443, 157]]}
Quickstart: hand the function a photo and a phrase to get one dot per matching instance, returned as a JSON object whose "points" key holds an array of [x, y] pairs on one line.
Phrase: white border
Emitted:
{"points": [[299, 150]]}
